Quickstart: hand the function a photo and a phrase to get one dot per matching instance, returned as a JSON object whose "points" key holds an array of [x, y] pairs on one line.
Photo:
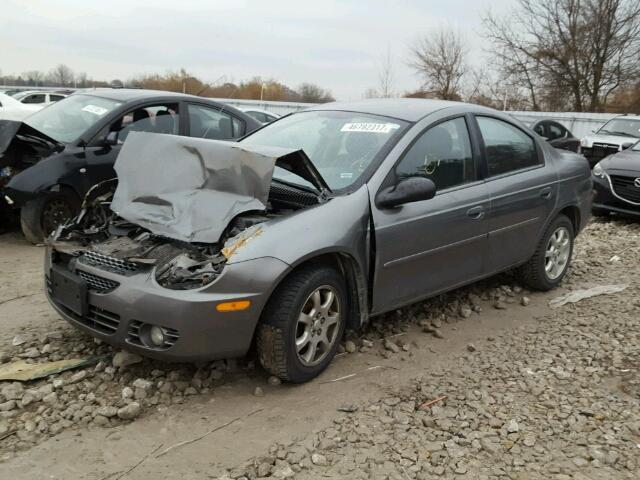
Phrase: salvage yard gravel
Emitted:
{"points": [[558, 398]]}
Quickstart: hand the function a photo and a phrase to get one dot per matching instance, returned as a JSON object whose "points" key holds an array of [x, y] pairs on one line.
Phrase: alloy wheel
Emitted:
{"points": [[318, 325], [557, 253]]}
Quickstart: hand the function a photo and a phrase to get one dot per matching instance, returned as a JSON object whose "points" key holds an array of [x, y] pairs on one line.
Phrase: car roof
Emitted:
{"points": [[408, 109], [133, 94], [628, 116], [259, 110]]}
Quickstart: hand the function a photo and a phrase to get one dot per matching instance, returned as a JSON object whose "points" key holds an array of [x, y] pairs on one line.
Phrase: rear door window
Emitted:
{"points": [[507, 148], [214, 124], [35, 98], [556, 131]]}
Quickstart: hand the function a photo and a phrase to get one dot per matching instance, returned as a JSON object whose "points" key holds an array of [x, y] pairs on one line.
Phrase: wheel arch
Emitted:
{"points": [[355, 278]]}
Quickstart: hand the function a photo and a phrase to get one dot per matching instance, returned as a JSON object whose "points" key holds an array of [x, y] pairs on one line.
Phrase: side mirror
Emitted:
{"points": [[407, 190], [111, 139]]}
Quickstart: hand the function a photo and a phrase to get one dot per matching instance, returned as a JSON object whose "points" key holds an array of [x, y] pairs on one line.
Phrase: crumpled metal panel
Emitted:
{"points": [[8, 130], [187, 188]]}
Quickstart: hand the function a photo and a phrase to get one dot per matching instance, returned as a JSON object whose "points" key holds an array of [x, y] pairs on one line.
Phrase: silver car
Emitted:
{"points": [[309, 226]]}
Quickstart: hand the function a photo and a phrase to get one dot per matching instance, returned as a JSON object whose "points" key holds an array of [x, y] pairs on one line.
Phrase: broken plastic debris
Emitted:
{"points": [[577, 295], [348, 408], [23, 371]]}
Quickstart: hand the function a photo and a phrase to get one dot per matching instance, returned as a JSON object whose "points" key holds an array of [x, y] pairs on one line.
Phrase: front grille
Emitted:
{"points": [[97, 319], [98, 284], [137, 335], [624, 187], [601, 150], [111, 264]]}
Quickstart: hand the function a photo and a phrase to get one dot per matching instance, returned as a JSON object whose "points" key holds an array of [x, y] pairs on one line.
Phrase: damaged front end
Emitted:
{"points": [[180, 221], [21, 147]]}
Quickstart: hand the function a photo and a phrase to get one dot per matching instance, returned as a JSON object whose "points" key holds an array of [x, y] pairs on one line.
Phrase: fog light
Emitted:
{"points": [[156, 335]]}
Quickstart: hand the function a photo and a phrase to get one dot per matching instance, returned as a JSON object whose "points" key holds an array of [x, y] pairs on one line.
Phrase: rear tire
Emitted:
{"points": [[309, 307], [548, 266], [39, 217]]}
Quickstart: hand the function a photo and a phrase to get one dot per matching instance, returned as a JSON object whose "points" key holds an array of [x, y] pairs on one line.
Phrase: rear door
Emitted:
{"points": [[429, 246], [522, 190]]}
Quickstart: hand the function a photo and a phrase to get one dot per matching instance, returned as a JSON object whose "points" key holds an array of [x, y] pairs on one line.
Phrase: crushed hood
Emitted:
{"points": [[13, 133], [189, 189]]}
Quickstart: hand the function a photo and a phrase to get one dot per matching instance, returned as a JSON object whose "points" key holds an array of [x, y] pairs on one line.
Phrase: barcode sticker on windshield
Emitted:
{"points": [[369, 127], [95, 109]]}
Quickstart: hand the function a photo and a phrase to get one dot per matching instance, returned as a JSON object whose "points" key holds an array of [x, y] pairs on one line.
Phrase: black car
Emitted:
{"points": [[616, 180], [556, 134], [51, 159]]}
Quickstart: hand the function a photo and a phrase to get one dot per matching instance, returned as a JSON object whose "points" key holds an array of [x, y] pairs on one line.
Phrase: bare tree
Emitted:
{"points": [[386, 76], [81, 80], [587, 48], [314, 94], [440, 59], [34, 77], [61, 75]]}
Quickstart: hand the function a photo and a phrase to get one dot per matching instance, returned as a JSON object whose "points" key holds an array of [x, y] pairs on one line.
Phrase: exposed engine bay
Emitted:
{"points": [[21, 146], [182, 207], [100, 238]]}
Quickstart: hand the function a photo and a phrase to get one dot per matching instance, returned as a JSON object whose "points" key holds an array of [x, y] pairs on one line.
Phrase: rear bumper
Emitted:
{"points": [[199, 332]]}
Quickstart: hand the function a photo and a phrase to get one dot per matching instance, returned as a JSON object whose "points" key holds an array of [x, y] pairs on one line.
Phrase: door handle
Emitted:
{"points": [[546, 192], [476, 212]]}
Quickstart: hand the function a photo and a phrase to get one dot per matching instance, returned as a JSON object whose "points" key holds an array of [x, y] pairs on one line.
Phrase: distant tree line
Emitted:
{"points": [[554, 55], [256, 88]]}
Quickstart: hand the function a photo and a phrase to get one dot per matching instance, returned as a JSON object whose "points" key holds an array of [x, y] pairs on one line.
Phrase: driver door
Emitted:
{"points": [[429, 246]]}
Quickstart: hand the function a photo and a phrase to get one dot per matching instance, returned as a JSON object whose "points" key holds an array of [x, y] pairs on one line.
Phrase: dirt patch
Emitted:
{"points": [[113, 416]]}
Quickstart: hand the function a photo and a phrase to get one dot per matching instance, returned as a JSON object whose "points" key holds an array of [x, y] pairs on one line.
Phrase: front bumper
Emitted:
{"points": [[605, 200], [198, 331]]}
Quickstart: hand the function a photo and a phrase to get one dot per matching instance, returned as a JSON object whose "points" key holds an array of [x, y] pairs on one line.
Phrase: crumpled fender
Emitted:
{"points": [[339, 225], [43, 176]]}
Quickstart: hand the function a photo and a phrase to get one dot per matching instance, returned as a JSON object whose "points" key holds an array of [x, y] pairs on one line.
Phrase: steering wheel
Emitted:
{"points": [[430, 166]]}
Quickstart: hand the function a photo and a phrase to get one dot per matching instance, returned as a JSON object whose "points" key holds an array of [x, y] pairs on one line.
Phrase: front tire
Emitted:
{"points": [[303, 323], [549, 264], [40, 216]]}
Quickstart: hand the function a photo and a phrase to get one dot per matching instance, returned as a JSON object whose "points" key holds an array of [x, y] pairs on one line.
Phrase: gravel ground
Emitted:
{"points": [[557, 398]]}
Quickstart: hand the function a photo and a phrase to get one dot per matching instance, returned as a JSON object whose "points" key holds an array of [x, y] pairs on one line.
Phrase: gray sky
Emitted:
{"points": [[336, 44]]}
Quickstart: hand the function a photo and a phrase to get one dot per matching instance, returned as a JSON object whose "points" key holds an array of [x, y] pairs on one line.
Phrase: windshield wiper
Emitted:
{"points": [[624, 134], [36, 139]]}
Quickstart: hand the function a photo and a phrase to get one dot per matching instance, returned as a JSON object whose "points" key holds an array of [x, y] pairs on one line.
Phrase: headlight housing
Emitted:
{"points": [[598, 171]]}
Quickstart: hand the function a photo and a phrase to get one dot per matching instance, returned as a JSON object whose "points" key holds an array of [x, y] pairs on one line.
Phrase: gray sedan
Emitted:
{"points": [[309, 226]]}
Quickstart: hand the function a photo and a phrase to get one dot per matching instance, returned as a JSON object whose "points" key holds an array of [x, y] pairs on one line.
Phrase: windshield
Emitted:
{"points": [[622, 126], [66, 120], [341, 145]]}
